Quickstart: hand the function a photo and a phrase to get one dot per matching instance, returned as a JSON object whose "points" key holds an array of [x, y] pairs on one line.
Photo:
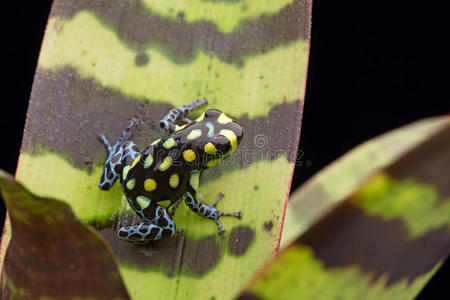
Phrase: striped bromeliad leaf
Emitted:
{"points": [[383, 242], [105, 62], [336, 182], [47, 241]]}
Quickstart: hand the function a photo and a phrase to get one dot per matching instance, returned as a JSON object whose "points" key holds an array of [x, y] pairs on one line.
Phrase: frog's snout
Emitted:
{"points": [[239, 131]]}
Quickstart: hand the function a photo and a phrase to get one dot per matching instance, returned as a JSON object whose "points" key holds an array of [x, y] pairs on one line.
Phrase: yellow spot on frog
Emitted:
{"points": [[212, 163], [165, 203], [169, 143], [174, 180], [148, 161], [135, 161], [125, 171], [201, 117], [210, 148], [194, 180], [143, 201], [223, 119], [178, 128], [196, 133], [155, 142], [231, 136], [189, 155], [131, 183], [167, 162], [150, 184]]}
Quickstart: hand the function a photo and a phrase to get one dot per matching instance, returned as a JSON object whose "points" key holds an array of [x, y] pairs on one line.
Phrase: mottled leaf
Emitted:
{"points": [[383, 242], [52, 254], [337, 181], [104, 62]]}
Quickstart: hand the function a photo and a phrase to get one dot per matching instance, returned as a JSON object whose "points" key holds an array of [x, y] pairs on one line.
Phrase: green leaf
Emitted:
{"points": [[226, 15], [51, 253], [336, 182], [384, 241], [104, 62]]}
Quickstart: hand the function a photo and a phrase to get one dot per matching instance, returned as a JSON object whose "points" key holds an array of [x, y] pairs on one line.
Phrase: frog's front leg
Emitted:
{"points": [[195, 202], [120, 155], [157, 223], [180, 113]]}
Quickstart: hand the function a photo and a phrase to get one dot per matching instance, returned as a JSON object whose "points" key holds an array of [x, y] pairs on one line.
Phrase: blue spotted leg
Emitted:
{"points": [[175, 207], [196, 203], [211, 212], [180, 113], [162, 224], [120, 155]]}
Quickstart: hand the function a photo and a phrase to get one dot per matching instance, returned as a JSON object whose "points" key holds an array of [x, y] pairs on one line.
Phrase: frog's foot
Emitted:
{"points": [[180, 113], [144, 232], [211, 212]]}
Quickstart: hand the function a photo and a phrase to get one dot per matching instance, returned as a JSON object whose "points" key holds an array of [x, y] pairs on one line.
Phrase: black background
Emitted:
{"points": [[374, 66]]}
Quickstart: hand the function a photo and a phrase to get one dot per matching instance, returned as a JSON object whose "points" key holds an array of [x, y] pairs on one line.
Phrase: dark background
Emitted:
{"points": [[373, 67]]}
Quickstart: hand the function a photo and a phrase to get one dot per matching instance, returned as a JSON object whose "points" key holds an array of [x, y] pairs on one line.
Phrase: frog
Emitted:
{"points": [[156, 180]]}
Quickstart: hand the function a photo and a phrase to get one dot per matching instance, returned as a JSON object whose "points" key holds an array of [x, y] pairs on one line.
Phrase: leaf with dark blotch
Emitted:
{"points": [[338, 180], [104, 62], [384, 241], [52, 254]]}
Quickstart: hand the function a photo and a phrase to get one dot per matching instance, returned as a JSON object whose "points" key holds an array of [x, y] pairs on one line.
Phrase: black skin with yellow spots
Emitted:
{"points": [[156, 180]]}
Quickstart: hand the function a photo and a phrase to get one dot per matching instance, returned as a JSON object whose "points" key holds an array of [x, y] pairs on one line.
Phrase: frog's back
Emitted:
{"points": [[159, 174], [162, 171]]}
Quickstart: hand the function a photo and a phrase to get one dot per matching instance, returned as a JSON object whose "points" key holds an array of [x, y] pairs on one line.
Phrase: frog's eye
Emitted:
{"points": [[222, 144]]}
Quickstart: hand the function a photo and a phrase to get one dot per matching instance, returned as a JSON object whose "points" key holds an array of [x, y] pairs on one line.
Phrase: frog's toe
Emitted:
{"points": [[219, 214], [236, 214], [219, 197], [103, 140], [220, 228]]}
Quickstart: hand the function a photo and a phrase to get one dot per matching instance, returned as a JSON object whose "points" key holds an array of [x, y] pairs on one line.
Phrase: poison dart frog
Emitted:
{"points": [[156, 179]]}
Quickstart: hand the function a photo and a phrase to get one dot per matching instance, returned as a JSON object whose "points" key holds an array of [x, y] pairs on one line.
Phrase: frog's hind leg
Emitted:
{"points": [[121, 154], [180, 113], [161, 225], [140, 233], [143, 233], [197, 205]]}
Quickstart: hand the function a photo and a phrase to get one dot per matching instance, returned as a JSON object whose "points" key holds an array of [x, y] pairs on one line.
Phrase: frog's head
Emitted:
{"points": [[223, 136]]}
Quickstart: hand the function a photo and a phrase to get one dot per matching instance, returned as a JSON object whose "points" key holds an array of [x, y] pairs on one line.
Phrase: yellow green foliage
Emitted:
{"points": [[114, 60], [310, 279], [96, 51], [225, 14], [339, 180]]}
